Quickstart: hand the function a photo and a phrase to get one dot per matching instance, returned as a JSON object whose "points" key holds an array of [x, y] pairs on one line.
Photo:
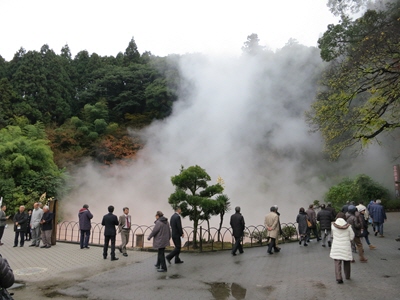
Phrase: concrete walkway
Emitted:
{"points": [[66, 272]]}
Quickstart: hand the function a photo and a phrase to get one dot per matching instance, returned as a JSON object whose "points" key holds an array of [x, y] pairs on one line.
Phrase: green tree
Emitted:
{"points": [[359, 98], [27, 169], [361, 188], [194, 195]]}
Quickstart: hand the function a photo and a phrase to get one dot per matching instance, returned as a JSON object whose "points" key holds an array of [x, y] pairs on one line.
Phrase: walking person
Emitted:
{"points": [[325, 219], [312, 217], [47, 227], [109, 222], [301, 220], [378, 215], [85, 217], [20, 226], [272, 226], [124, 228], [177, 234], [365, 233], [355, 220], [343, 234], [37, 214], [237, 224], [3, 222], [161, 235]]}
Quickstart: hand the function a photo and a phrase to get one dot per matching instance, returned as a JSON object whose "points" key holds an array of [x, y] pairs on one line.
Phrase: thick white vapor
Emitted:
{"points": [[238, 118]]}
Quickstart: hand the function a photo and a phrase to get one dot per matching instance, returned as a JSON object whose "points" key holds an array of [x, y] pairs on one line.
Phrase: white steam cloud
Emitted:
{"points": [[238, 118]]}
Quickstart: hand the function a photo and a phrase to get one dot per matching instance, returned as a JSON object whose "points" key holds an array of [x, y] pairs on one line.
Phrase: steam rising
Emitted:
{"points": [[238, 118]]}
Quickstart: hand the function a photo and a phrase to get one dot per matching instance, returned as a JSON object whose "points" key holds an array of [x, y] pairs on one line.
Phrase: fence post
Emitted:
{"points": [[201, 239], [139, 240]]}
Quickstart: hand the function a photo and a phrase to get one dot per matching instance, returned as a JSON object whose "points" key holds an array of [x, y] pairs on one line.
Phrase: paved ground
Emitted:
{"points": [[67, 272]]}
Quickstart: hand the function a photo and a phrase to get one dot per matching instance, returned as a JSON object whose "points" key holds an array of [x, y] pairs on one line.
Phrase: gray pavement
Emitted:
{"points": [[297, 272]]}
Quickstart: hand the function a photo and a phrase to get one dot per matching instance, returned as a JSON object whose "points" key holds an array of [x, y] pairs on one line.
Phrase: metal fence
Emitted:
{"points": [[207, 239]]}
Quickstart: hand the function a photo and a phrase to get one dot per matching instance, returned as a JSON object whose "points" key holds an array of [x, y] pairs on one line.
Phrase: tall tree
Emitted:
{"points": [[361, 87], [194, 195], [252, 45], [27, 168]]}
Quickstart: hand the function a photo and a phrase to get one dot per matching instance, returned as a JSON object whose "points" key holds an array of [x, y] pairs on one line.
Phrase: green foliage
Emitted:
{"points": [[194, 196], [27, 169], [361, 188], [360, 91]]}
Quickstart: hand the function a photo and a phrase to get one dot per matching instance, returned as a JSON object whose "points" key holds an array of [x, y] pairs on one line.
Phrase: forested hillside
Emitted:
{"points": [[57, 110], [86, 102]]}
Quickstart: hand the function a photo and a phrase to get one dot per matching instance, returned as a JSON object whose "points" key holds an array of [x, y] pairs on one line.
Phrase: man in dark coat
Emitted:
{"points": [[20, 226], [325, 218], [109, 222], [355, 220], [161, 234], [85, 225], [237, 224], [332, 210], [177, 233], [47, 227]]}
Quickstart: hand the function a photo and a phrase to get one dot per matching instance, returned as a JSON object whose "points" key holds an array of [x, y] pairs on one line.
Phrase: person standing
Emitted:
{"points": [[325, 218], [272, 226], [378, 215], [177, 234], [301, 220], [124, 227], [109, 222], [47, 227], [354, 219], [280, 227], [28, 234], [343, 234], [3, 221], [20, 226], [161, 234], [312, 217], [85, 226], [237, 224], [37, 215]]}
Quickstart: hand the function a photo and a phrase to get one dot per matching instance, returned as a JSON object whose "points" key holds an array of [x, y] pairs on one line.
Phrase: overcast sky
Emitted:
{"points": [[160, 26]]}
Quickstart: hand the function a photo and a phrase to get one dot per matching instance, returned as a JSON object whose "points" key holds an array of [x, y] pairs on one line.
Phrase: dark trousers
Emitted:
{"points": [[161, 259], [272, 244], [21, 235], [315, 231], [1, 232], [175, 253], [238, 245], [85, 235], [28, 235], [338, 269], [107, 239]]}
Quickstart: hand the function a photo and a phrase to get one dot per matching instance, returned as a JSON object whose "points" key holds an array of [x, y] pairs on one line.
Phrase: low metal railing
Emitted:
{"points": [[208, 239]]}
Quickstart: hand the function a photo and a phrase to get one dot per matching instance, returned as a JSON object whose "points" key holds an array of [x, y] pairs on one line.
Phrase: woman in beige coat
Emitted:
{"points": [[272, 226]]}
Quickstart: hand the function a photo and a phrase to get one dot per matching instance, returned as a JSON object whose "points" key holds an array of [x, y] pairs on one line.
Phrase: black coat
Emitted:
{"points": [[6, 274], [109, 222], [22, 219], [47, 220], [237, 224], [325, 219], [176, 225]]}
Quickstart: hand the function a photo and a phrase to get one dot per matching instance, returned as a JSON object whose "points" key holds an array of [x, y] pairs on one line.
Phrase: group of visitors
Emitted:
{"points": [[161, 234], [36, 226]]}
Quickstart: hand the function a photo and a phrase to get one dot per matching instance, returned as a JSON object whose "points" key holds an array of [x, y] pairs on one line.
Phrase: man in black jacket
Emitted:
{"points": [[20, 226], [109, 222], [237, 224], [325, 219], [177, 233]]}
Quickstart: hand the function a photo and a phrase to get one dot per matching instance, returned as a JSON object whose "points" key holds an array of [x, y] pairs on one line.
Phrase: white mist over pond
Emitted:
{"points": [[238, 118]]}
